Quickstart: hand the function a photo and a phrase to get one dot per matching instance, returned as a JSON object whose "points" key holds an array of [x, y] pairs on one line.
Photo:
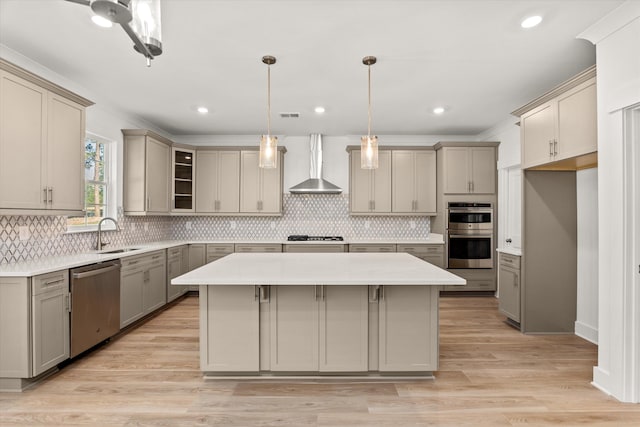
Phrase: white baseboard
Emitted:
{"points": [[587, 332]]}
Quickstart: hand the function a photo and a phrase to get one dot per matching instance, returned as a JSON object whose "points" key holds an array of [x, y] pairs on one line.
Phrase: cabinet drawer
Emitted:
{"points": [[372, 248], [258, 247], [479, 285], [134, 261], [174, 252], [220, 249], [420, 249], [510, 260], [50, 282]]}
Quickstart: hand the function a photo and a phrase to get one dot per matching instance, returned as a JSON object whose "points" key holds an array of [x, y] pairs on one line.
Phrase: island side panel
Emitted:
{"points": [[408, 321], [229, 329]]}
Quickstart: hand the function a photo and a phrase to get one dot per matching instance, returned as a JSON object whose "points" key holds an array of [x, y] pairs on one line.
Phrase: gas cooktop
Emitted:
{"points": [[304, 238]]}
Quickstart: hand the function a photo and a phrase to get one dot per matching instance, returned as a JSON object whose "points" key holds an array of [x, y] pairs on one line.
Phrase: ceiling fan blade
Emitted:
{"points": [[84, 2]]}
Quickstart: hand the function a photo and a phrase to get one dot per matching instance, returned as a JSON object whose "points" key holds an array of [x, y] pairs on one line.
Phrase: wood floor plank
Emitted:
{"points": [[490, 375]]}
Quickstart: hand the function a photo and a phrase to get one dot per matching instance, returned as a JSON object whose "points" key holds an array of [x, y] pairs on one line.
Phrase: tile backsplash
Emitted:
{"points": [[319, 215]]}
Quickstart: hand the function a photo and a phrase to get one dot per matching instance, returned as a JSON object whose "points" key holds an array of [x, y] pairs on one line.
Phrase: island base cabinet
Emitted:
{"points": [[294, 328], [230, 325], [344, 329], [408, 328]]}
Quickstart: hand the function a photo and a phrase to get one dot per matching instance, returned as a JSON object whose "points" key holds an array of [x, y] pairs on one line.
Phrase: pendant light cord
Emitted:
{"points": [[269, 101], [369, 109]]}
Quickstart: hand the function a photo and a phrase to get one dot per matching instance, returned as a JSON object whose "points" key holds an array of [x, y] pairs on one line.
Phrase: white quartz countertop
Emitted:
{"points": [[55, 263], [319, 269], [510, 251]]}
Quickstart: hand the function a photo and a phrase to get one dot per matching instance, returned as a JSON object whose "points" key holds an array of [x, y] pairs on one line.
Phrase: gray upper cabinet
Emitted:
{"points": [[147, 173], [260, 189], [559, 129], [469, 170], [370, 189], [414, 181], [218, 181], [42, 127]]}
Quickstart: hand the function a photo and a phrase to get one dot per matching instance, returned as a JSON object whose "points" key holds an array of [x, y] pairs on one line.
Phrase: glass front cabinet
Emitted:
{"points": [[183, 180]]}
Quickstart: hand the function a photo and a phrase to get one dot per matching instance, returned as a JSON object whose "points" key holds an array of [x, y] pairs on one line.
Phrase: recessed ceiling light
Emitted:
{"points": [[319, 110], [531, 21], [101, 22], [203, 110], [438, 110]]}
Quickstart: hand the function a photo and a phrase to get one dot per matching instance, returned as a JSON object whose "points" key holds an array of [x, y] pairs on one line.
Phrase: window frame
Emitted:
{"points": [[109, 182]]}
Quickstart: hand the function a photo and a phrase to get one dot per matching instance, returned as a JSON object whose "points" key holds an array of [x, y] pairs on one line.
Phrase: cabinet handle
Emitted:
{"points": [[555, 147], [382, 293], [68, 303], [44, 199], [550, 148], [315, 291], [322, 292], [256, 292], [264, 293], [50, 189], [53, 282], [473, 187], [373, 293], [373, 205], [148, 202], [515, 280]]}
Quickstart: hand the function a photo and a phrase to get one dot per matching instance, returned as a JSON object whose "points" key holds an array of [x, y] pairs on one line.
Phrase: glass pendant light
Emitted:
{"points": [[268, 143], [369, 144], [146, 24]]}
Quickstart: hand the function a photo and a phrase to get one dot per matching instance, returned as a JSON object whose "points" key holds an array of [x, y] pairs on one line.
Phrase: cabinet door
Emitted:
{"points": [[577, 121], [249, 182], [157, 176], [50, 329], [131, 285], [196, 255], [174, 269], [182, 180], [228, 182], [229, 318], [294, 328], [456, 170], [403, 181], [206, 181], [537, 129], [381, 186], [65, 154], [22, 143], [271, 189], [361, 182], [408, 328], [483, 170], [425, 182], [509, 291], [154, 293], [344, 329]]}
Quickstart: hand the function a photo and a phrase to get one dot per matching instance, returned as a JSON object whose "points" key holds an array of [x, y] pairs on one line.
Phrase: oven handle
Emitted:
{"points": [[484, 210], [466, 236]]}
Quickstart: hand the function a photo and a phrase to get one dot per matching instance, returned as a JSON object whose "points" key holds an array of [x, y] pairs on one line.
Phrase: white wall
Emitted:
{"points": [[617, 39], [586, 324]]}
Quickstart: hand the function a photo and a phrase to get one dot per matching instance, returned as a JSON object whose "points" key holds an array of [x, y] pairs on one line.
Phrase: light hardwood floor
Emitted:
{"points": [[490, 375]]}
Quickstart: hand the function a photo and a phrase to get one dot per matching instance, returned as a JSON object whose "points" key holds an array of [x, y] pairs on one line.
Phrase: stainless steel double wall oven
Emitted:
{"points": [[469, 235]]}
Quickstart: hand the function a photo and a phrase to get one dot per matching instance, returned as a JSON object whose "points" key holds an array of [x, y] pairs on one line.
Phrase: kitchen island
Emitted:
{"points": [[319, 314]]}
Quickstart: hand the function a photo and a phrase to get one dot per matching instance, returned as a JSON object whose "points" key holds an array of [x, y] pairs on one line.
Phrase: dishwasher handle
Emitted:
{"points": [[97, 271]]}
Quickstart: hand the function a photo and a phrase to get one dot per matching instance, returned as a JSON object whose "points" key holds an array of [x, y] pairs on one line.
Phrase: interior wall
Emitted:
{"points": [[615, 36], [586, 324]]}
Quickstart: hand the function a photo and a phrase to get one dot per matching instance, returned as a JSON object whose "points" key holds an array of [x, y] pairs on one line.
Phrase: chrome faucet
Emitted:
{"points": [[100, 243]]}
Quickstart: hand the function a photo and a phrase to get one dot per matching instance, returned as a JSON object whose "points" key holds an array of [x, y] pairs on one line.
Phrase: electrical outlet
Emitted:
{"points": [[146, 226], [188, 225], [412, 224], [367, 225], [25, 234], [232, 225], [273, 225]]}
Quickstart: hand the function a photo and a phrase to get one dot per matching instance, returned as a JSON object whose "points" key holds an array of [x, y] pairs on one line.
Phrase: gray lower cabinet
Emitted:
{"points": [[175, 259], [197, 258], [408, 323], [509, 286], [326, 329], [433, 254], [258, 247], [372, 247], [218, 250], [34, 326], [143, 286]]}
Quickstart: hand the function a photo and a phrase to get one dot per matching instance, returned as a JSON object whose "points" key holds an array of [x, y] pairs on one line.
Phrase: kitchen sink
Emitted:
{"points": [[119, 251]]}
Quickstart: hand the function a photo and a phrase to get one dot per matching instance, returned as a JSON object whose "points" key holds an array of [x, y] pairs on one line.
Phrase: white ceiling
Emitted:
{"points": [[470, 56]]}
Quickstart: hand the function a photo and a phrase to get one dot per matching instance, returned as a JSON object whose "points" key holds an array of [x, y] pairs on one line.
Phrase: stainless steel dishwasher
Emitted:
{"points": [[95, 304]]}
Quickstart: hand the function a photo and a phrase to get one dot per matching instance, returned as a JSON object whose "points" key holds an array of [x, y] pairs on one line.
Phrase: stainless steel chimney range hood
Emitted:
{"points": [[315, 184]]}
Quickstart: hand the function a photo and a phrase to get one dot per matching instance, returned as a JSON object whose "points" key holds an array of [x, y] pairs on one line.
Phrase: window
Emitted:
{"points": [[99, 200]]}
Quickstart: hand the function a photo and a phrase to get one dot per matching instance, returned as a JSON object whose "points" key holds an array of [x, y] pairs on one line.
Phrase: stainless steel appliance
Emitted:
{"points": [[95, 304], [304, 238], [470, 235]]}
